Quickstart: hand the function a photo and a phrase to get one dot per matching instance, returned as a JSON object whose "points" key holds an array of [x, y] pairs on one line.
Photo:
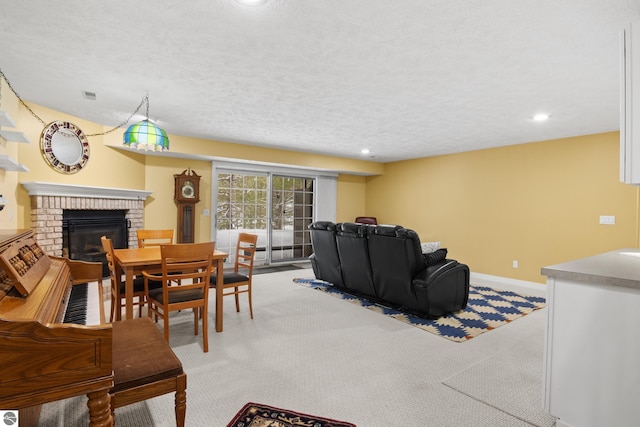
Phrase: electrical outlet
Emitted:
{"points": [[515, 263], [607, 219], [205, 212]]}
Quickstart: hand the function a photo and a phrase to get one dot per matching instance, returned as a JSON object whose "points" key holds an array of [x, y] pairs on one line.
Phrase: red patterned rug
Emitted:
{"points": [[258, 415]]}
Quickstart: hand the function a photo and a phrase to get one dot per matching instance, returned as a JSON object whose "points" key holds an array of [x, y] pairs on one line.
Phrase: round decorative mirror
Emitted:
{"points": [[64, 146]]}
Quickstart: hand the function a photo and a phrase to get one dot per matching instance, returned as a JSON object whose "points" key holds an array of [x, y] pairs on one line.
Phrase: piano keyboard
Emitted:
{"points": [[83, 307], [76, 311]]}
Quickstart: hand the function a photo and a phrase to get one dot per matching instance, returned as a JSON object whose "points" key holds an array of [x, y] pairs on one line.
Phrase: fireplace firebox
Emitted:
{"points": [[82, 230]]}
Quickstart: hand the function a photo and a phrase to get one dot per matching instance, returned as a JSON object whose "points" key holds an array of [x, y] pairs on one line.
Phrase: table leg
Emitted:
{"points": [[219, 292]]}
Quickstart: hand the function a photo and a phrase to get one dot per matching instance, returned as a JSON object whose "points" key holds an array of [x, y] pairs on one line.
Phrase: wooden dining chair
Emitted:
{"points": [[147, 238], [238, 281], [118, 292], [190, 264], [154, 237]]}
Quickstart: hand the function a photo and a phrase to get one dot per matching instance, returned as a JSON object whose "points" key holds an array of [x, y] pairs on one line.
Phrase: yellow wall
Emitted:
{"points": [[351, 197], [117, 168], [538, 203], [106, 167], [160, 209]]}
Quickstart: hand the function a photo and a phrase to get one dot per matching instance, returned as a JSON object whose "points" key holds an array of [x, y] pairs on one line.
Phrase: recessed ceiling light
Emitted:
{"points": [[541, 117], [251, 2], [89, 95], [365, 151]]}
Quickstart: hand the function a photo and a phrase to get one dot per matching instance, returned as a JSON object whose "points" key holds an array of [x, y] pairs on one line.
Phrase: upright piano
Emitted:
{"points": [[43, 359]]}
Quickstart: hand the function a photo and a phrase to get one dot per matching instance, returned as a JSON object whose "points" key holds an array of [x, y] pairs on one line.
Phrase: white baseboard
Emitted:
{"points": [[507, 284]]}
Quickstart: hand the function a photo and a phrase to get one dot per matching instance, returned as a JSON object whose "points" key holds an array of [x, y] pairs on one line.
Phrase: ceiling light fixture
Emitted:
{"points": [[146, 135], [365, 151], [541, 117]]}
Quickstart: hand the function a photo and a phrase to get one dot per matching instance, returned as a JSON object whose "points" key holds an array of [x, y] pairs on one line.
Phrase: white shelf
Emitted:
{"points": [[5, 120], [9, 164], [11, 135], [14, 136]]}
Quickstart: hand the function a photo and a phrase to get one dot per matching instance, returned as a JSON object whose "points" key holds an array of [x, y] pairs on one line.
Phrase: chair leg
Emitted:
{"points": [[119, 308], [181, 399], [205, 330], [250, 302], [237, 300], [113, 308], [165, 319], [196, 315], [150, 313]]}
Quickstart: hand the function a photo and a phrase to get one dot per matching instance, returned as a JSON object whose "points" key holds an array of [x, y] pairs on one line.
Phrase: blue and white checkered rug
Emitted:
{"points": [[487, 309]]}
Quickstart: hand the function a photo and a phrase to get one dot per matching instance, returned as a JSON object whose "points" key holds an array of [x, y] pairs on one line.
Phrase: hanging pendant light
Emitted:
{"points": [[146, 135]]}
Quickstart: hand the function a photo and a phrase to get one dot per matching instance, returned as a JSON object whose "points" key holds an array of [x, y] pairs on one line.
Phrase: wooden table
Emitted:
{"points": [[132, 261]]}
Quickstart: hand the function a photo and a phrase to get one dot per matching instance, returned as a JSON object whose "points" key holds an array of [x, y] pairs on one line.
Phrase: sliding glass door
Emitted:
{"points": [[242, 206], [278, 208], [291, 213]]}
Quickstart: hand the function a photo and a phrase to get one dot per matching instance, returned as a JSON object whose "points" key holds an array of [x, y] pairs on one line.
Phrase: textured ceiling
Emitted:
{"points": [[405, 78]]}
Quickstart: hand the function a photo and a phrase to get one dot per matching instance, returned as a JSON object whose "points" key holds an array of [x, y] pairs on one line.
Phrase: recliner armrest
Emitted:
{"points": [[433, 272], [436, 257]]}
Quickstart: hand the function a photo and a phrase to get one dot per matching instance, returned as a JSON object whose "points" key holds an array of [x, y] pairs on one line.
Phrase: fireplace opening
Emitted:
{"points": [[82, 230]]}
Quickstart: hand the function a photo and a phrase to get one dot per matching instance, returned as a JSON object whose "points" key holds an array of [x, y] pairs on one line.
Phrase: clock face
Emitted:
{"points": [[188, 190], [64, 146]]}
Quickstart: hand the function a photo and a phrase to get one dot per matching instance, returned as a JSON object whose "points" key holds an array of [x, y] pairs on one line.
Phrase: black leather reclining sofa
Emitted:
{"points": [[386, 264]]}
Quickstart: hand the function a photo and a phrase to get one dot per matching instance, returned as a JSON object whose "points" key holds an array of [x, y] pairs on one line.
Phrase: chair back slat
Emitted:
{"points": [[187, 261], [107, 246], [245, 252], [154, 237]]}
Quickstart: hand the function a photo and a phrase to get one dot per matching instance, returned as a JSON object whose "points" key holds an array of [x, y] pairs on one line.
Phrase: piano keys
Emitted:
{"points": [[83, 307], [76, 311]]}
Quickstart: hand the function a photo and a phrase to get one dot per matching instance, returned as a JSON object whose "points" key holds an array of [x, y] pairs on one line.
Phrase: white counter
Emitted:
{"points": [[616, 268], [592, 354]]}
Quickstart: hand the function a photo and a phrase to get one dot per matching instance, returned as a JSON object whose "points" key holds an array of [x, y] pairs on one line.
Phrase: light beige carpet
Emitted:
{"points": [[520, 372], [318, 355]]}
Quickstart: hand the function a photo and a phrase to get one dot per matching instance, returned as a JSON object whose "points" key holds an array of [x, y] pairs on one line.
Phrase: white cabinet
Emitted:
{"points": [[591, 368], [630, 104]]}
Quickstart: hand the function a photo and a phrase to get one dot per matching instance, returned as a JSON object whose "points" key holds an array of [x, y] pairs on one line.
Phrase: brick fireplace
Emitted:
{"points": [[48, 202]]}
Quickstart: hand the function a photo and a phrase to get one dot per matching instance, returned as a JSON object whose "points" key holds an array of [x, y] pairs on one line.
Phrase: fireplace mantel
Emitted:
{"points": [[36, 188], [49, 201]]}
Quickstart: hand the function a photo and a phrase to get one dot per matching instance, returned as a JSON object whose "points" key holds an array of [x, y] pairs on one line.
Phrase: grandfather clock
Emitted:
{"points": [[187, 194]]}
